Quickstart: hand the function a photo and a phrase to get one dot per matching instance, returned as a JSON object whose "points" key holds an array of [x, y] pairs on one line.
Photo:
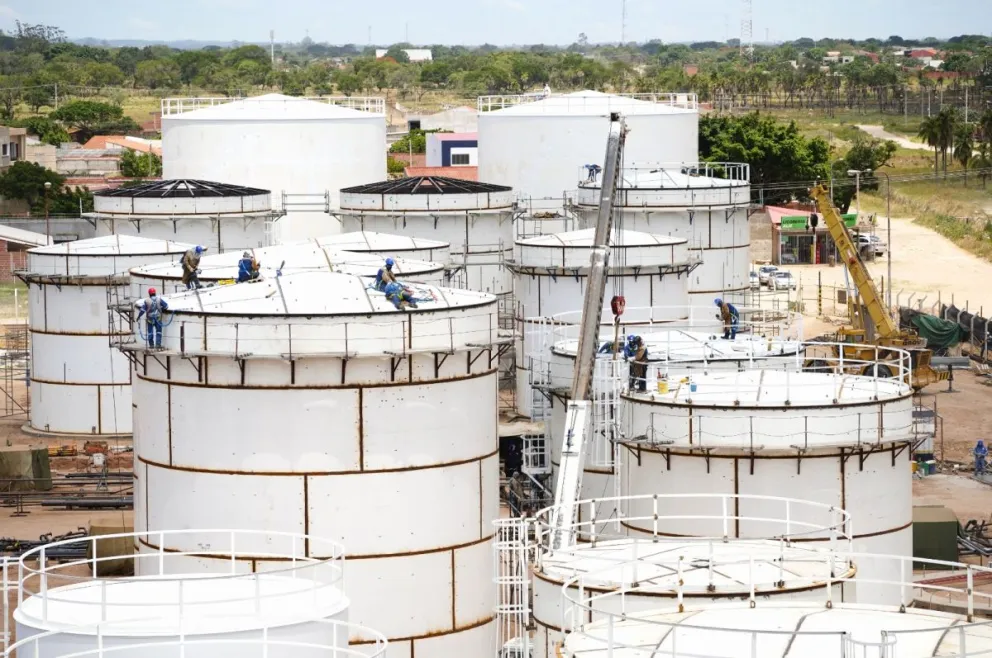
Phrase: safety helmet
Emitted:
{"points": [[718, 301], [246, 255], [199, 249], [390, 262], [151, 292]]}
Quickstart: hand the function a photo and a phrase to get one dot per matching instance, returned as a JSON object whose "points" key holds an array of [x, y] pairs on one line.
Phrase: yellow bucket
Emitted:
{"points": [[662, 386], [914, 466]]}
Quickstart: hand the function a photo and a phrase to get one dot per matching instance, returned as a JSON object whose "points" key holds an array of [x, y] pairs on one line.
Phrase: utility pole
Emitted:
{"points": [[272, 46], [48, 226], [623, 22], [747, 37]]}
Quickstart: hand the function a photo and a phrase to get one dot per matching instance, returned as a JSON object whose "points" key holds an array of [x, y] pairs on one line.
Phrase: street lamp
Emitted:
{"points": [[48, 226], [857, 185], [888, 236]]}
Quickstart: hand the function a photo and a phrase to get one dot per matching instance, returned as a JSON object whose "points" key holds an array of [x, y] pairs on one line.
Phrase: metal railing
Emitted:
{"points": [[173, 106], [266, 641], [316, 565], [613, 102], [611, 518], [611, 623], [660, 175]]}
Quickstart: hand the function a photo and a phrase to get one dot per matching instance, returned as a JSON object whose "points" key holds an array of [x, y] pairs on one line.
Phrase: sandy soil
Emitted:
{"points": [[924, 263], [879, 132]]}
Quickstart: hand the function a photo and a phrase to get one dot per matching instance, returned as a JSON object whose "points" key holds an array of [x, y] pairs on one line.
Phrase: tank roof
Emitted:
{"points": [[426, 185], [684, 346], [775, 389], [291, 259], [273, 107], [314, 294], [112, 245], [146, 606], [780, 629], [665, 177], [587, 103], [583, 238], [362, 241], [182, 188], [607, 564]]}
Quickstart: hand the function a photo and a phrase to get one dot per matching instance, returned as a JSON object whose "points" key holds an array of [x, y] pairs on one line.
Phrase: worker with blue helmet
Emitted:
{"points": [[731, 318], [400, 296], [248, 267], [981, 453], [385, 275]]}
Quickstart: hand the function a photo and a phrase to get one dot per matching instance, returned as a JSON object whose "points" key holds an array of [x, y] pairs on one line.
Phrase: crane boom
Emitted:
{"points": [[579, 408], [870, 297]]}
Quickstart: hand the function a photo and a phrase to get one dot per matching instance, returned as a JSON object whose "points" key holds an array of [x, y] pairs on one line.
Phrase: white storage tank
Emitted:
{"points": [[166, 278], [475, 219], [387, 244], [80, 384], [302, 147], [219, 216], [774, 562], [380, 415], [549, 278], [705, 203], [254, 608], [537, 145], [842, 439]]}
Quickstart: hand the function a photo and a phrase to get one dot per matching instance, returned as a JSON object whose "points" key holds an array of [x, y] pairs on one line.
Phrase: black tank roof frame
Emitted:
{"points": [[426, 185], [182, 188]]}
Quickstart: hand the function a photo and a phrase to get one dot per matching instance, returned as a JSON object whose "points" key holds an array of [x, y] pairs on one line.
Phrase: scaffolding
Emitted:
{"points": [[513, 596], [15, 360]]}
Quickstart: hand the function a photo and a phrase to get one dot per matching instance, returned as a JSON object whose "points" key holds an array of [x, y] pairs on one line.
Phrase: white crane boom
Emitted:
{"points": [[577, 415]]}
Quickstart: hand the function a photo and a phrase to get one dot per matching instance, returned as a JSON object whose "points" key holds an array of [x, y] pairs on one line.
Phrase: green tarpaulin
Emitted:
{"points": [[939, 333]]}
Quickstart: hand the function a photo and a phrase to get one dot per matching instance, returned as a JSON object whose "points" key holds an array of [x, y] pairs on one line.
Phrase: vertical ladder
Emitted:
{"points": [[512, 578], [569, 482]]}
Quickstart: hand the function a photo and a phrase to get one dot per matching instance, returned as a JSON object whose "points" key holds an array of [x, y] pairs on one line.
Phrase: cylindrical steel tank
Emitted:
{"points": [[379, 414], [166, 278], [475, 219], [843, 440], [536, 145], [216, 215], [549, 278], [663, 570], [80, 384], [304, 148], [253, 608], [707, 204], [387, 244]]}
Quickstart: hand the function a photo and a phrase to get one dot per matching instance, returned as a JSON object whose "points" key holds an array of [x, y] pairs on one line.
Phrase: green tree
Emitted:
{"points": [[140, 165], [929, 132], [964, 147], [947, 121], [26, 181], [48, 131], [776, 151], [398, 54], [94, 117], [866, 155], [68, 201], [157, 73]]}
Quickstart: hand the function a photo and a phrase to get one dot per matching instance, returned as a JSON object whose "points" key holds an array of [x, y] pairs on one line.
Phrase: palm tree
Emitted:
{"points": [[947, 121], [983, 161], [964, 147], [930, 133]]}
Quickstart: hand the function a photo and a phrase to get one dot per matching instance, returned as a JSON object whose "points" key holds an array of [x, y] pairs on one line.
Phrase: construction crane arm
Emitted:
{"points": [[578, 412], [848, 252]]}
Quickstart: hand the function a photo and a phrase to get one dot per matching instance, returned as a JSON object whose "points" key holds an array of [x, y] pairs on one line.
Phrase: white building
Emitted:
{"points": [[415, 54]]}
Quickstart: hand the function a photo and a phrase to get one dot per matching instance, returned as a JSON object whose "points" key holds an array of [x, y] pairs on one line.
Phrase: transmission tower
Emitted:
{"points": [[747, 37]]}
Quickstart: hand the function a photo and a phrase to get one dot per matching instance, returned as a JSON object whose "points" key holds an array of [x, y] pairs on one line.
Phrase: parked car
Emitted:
{"points": [[876, 243], [764, 272], [782, 280], [755, 281]]}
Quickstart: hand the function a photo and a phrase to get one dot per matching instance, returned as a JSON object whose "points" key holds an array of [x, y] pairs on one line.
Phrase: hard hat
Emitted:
{"points": [[151, 292], [199, 249], [246, 255], [718, 301], [390, 262]]}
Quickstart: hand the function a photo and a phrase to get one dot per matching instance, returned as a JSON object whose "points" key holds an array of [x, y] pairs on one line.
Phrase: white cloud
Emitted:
{"points": [[141, 24]]}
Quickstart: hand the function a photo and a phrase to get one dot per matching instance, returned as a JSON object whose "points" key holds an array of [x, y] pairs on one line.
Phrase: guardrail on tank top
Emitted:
{"points": [[714, 517], [315, 565], [253, 642], [616, 622]]}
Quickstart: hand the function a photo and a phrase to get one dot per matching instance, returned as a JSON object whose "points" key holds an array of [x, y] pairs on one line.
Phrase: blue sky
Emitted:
{"points": [[496, 21]]}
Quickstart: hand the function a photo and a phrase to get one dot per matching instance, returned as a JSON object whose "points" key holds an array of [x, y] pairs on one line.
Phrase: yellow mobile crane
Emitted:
{"points": [[870, 309]]}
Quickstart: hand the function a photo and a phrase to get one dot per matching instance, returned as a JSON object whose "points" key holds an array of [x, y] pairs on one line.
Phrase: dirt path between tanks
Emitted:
{"points": [[879, 132]]}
